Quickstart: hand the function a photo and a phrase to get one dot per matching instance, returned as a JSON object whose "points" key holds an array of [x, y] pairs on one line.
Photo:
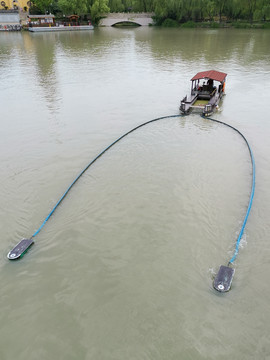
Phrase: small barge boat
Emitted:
{"points": [[46, 23], [207, 88]]}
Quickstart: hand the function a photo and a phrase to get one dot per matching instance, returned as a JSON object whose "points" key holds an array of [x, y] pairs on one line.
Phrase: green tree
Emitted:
{"points": [[235, 10], [116, 5], [187, 10], [44, 5], [161, 9], [178, 10], [128, 5], [210, 9], [266, 12], [143, 5], [220, 7], [73, 6], [172, 9], [98, 8], [251, 8]]}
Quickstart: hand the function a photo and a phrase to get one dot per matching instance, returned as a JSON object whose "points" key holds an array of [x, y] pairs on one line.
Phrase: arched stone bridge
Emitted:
{"points": [[143, 19]]}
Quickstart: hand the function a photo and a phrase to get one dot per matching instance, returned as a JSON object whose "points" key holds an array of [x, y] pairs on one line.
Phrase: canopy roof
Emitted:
{"points": [[210, 74], [50, 16]]}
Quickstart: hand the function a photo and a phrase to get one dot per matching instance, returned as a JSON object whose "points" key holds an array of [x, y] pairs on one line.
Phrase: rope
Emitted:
{"points": [[237, 244], [139, 126]]}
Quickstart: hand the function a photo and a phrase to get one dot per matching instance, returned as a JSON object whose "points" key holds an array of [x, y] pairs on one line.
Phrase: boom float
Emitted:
{"points": [[223, 280]]}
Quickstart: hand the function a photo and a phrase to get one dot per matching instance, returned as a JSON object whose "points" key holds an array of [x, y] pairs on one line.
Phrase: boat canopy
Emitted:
{"points": [[211, 74], [50, 16]]}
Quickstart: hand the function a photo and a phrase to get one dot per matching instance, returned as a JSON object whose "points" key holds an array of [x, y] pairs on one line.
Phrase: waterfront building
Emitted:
{"points": [[22, 5]]}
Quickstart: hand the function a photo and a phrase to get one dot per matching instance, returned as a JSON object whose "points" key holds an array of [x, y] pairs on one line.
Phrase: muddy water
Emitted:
{"points": [[124, 268]]}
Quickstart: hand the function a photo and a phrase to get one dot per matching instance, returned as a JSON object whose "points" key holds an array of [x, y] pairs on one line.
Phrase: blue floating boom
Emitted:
{"points": [[251, 192], [223, 280], [22, 244]]}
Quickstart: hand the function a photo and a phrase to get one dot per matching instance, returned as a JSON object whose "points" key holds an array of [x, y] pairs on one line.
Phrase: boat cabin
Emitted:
{"points": [[207, 88], [41, 20]]}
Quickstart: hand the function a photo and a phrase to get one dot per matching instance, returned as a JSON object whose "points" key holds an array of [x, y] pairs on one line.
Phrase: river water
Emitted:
{"points": [[124, 267]]}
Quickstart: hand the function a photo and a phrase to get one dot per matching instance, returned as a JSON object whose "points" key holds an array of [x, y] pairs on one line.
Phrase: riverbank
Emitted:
{"points": [[215, 25]]}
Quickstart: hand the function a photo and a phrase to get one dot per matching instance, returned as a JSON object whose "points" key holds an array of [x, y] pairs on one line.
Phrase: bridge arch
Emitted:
{"points": [[142, 19], [131, 23]]}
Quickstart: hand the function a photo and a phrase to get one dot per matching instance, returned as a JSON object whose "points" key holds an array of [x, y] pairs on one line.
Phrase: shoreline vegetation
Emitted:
{"points": [[169, 23], [168, 13]]}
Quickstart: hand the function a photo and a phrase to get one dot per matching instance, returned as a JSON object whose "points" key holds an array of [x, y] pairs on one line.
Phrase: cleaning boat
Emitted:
{"points": [[207, 88]]}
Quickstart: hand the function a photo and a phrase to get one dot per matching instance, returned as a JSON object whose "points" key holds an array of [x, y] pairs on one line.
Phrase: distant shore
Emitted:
{"points": [[216, 25]]}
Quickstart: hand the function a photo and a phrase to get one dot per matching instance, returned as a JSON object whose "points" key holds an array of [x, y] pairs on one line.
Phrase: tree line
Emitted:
{"points": [[180, 11]]}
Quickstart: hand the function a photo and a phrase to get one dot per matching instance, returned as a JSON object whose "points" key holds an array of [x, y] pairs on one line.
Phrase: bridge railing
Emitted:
{"points": [[128, 15]]}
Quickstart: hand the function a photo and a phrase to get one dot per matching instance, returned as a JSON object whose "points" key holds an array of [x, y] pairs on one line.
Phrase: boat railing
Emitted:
{"points": [[213, 92], [184, 99]]}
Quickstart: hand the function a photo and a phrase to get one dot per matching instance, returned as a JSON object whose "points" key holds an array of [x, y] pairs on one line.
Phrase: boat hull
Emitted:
{"points": [[60, 28], [206, 105]]}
